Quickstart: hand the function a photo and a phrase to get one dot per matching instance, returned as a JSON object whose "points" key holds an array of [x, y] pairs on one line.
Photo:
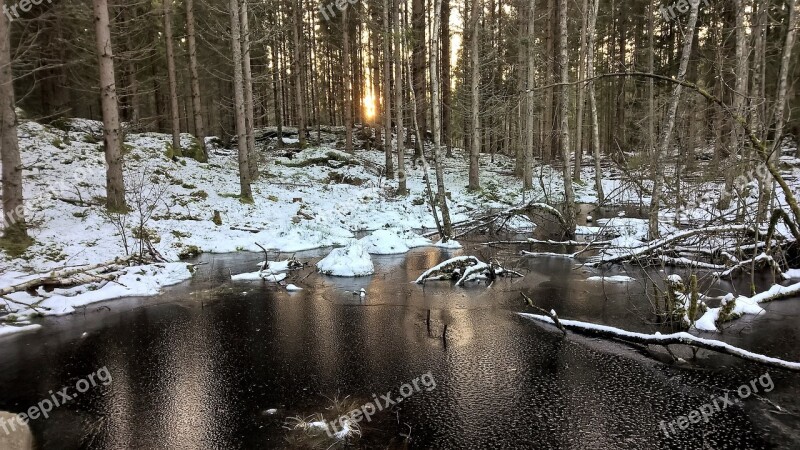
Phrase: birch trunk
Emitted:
{"points": [[174, 110], [112, 133], [669, 127], [238, 94], [197, 104]]}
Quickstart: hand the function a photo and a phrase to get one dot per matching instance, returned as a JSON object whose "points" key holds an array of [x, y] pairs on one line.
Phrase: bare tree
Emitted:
{"points": [[112, 134], [13, 208], [387, 92], [669, 127], [563, 61], [297, 71], [475, 148], [247, 77], [197, 104], [527, 168], [246, 194], [174, 110], [348, 99], [590, 39], [398, 99], [447, 227]]}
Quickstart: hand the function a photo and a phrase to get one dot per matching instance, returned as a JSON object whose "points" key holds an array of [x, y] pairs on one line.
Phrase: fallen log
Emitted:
{"points": [[62, 277], [667, 339]]}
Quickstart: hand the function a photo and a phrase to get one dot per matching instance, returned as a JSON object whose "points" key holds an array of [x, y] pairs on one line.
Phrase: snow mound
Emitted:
{"points": [[350, 261], [293, 288], [392, 242], [451, 244]]}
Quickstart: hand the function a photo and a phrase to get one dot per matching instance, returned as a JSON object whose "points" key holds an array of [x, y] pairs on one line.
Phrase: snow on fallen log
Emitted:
{"points": [[667, 339], [465, 268], [735, 307], [625, 254], [759, 262]]}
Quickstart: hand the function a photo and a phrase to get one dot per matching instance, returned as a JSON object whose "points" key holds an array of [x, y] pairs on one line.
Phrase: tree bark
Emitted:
{"points": [[297, 70], [447, 226], [598, 170], [348, 92], [387, 92], [247, 78], [197, 104], [398, 99], [418, 68], [445, 63], [576, 174], [246, 194], [569, 193], [475, 77], [527, 168], [13, 207], [174, 110], [112, 134]]}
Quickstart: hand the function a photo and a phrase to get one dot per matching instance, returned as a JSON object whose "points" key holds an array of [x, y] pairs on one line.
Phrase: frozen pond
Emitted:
{"points": [[217, 364]]}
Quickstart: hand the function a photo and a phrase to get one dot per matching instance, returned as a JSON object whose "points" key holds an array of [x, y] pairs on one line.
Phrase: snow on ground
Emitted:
{"points": [[392, 242], [136, 281], [350, 261]]}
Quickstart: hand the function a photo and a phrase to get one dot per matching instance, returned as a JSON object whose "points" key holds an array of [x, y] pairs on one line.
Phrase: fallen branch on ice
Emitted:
{"points": [[667, 339]]}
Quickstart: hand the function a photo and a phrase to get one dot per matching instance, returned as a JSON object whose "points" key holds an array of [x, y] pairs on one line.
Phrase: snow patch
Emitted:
{"points": [[350, 261]]}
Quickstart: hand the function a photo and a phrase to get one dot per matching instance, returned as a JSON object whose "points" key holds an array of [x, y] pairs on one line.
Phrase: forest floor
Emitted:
{"points": [[318, 197]]}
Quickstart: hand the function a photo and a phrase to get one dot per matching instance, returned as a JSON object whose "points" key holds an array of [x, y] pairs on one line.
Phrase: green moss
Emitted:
{"points": [[180, 234], [171, 151], [196, 151], [217, 219], [199, 194], [15, 241], [58, 143], [90, 139], [272, 198], [190, 251]]}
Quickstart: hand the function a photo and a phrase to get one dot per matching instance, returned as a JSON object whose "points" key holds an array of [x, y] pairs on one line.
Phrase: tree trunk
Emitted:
{"points": [[239, 114], [13, 206], [447, 227], [418, 68], [174, 110], [590, 37], [112, 134], [197, 104], [247, 78], [475, 148], [576, 174], [348, 99], [445, 60], [297, 73], [278, 91], [387, 92], [398, 99], [563, 61], [669, 127], [527, 168]]}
